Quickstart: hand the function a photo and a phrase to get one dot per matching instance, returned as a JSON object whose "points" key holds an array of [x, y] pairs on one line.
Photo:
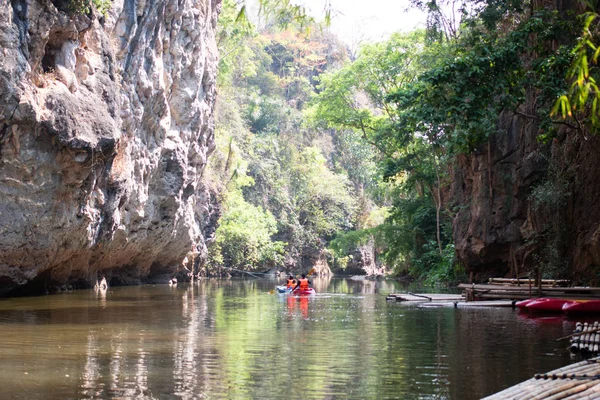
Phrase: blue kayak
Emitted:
{"points": [[283, 289]]}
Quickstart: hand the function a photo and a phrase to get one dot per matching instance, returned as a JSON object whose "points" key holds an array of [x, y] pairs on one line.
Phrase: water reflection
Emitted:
{"points": [[297, 303], [232, 339]]}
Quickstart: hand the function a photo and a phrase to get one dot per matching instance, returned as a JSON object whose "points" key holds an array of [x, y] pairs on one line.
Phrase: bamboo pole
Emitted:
{"points": [[578, 334], [555, 395], [420, 295], [518, 280]]}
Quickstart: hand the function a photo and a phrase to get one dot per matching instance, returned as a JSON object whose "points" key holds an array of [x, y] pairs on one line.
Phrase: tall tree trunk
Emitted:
{"points": [[438, 205]]}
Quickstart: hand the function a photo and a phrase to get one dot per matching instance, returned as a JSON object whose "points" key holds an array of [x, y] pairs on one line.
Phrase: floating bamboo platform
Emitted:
{"points": [[575, 381], [527, 282], [425, 297], [471, 304], [513, 292]]}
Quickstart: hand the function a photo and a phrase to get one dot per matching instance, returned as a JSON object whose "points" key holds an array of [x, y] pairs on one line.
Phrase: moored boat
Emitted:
{"points": [[582, 307], [521, 305], [547, 305]]}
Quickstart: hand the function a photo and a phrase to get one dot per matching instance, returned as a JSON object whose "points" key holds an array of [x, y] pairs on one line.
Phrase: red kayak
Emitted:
{"points": [[521, 305], [304, 291], [547, 305], [582, 307]]}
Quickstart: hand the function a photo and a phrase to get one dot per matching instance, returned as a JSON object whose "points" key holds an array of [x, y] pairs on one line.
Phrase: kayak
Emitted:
{"points": [[582, 307], [283, 289], [547, 305], [304, 292], [522, 305]]}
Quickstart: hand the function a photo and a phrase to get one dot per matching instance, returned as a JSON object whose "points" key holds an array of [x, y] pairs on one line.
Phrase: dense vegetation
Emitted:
{"points": [[285, 195], [320, 155]]}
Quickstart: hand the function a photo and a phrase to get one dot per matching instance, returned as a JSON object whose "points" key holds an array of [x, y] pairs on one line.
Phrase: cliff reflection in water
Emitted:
{"points": [[232, 339]]}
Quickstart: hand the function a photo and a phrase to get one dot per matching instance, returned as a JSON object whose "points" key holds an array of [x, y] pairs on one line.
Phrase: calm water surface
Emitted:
{"points": [[234, 340]]}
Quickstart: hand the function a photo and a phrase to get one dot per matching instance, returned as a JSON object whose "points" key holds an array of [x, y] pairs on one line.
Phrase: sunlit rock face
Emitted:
{"points": [[105, 129]]}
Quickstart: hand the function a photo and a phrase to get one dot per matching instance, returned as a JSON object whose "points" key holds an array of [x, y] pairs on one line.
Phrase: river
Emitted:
{"points": [[232, 339]]}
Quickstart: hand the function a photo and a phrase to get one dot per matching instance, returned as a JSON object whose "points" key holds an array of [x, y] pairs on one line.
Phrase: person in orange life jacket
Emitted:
{"points": [[291, 282], [303, 283]]}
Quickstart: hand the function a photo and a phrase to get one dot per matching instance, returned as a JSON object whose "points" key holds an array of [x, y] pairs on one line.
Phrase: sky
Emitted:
{"points": [[367, 20]]}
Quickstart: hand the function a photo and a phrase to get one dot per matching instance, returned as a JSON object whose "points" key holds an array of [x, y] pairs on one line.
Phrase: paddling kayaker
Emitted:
{"points": [[303, 283], [291, 282]]}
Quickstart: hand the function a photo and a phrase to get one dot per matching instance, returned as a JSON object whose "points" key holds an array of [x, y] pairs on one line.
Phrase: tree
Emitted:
{"points": [[358, 98]]}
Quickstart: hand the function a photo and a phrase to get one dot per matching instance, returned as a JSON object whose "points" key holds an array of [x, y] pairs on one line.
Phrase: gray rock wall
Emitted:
{"points": [[105, 128]]}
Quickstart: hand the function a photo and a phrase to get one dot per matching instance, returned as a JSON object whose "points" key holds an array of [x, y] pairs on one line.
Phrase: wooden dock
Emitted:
{"points": [[575, 381]]}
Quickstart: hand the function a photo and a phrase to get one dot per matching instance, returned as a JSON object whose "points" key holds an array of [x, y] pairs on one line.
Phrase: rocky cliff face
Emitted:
{"points": [[490, 188], [522, 205], [105, 128]]}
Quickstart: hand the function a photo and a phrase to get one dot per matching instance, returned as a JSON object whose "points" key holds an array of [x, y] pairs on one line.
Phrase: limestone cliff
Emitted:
{"points": [[105, 128]]}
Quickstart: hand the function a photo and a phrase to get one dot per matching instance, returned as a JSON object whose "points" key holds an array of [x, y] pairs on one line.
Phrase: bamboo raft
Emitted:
{"points": [[474, 292], [528, 282], [575, 381], [470, 304], [585, 340], [424, 297]]}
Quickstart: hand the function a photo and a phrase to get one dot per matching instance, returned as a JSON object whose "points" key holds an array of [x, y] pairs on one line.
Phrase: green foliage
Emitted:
{"points": [[244, 234], [445, 16], [102, 6], [356, 97], [322, 196], [420, 102], [580, 102], [357, 101], [344, 243], [266, 114], [234, 35], [549, 195], [86, 6], [483, 75], [380, 131], [549, 199], [434, 268], [284, 199]]}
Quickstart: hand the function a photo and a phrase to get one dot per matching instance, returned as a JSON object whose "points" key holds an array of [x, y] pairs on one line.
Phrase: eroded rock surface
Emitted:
{"points": [[522, 205], [105, 129]]}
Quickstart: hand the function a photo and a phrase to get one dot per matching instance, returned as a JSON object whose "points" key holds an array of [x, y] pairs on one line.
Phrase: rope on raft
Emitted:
{"points": [[568, 376]]}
